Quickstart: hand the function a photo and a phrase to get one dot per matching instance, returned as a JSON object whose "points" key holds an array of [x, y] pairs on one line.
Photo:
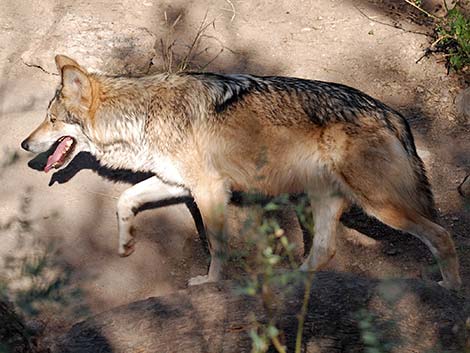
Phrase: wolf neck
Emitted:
{"points": [[120, 133]]}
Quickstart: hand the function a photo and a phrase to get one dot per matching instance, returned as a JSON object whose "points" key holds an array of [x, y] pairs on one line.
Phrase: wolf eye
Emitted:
{"points": [[52, 118]]}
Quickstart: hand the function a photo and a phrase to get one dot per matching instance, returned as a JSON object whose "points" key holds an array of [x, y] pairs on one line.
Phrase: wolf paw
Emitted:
{"points": [[198, 280], [127, 249]]}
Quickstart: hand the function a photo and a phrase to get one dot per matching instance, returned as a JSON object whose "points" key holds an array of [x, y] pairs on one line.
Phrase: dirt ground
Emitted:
{"points": [[370, 45]]}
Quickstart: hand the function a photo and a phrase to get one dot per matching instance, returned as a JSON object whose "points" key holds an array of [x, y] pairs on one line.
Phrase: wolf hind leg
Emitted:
{"points": [[435, 237], [390, 184], [327, 207], [149, 190]]}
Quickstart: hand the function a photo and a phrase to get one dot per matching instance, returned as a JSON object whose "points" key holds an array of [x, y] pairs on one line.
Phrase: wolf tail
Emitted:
{"points": [[425, 198]]}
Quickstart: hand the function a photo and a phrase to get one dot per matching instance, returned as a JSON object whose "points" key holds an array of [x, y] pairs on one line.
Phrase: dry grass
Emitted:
{"points": [[194, 50]]}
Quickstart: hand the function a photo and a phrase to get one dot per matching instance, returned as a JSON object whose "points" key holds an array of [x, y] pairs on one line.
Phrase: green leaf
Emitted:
{"points": [[272, 331], [370, 339], [271, 206]]}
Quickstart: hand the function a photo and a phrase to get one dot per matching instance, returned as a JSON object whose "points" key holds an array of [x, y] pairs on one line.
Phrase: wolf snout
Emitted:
{"points": [[25, 145]]}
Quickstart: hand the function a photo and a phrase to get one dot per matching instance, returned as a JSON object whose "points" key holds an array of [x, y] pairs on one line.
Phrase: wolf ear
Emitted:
{"points": [[62, 60], [76, 86]]}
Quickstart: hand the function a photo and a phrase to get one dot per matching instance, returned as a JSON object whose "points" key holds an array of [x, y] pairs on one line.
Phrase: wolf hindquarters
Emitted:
{"points": [[389, 183]]}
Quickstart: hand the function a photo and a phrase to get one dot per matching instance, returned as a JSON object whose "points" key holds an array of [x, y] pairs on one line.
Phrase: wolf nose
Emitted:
{"points": [[25, 145]]}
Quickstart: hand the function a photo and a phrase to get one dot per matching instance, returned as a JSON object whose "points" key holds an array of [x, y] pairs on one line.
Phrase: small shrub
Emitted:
{"points": [[454, 39], [271, 249]]}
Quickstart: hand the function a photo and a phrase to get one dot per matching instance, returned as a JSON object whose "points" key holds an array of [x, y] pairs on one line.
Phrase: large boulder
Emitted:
{"points": [[345, 313]]}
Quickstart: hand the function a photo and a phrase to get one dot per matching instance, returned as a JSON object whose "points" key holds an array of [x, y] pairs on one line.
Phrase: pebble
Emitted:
{"points": [[462, 102], [464, 187]]}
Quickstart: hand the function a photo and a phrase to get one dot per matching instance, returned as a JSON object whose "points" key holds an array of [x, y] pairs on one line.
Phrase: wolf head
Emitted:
{"points": [[62, 133]]}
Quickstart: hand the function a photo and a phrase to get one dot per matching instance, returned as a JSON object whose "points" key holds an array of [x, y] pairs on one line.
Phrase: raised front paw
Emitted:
{"points": [[128, 248]]}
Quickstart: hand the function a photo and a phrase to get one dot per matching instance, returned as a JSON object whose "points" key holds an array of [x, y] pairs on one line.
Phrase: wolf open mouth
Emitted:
{"points": [[62, 149]]}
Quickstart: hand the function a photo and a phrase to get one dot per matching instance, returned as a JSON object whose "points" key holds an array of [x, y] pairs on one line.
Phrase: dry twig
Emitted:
{"points": [[422, 10], [397, 26], [168, 44], [232, 10]]}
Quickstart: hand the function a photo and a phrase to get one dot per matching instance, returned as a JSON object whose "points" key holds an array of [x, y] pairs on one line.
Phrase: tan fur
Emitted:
{"points": [[211, 134]]}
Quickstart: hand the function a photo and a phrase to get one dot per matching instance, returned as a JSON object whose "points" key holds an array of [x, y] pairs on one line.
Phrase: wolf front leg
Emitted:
{"points": [[149, 190], [212, 198]]}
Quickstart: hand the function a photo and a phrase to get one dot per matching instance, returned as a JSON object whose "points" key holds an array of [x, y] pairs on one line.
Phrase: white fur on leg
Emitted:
{"points": [[149, 190]]}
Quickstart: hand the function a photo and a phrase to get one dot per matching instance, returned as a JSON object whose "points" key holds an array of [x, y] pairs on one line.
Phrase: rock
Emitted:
{"points": [[407, 314], [462, 102], [391, 252], [464, 187], [102, 47], [36, 327], [425, 155]]}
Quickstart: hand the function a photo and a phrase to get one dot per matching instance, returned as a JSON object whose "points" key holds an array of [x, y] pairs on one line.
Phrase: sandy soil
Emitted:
{"points": [[369, 45]]}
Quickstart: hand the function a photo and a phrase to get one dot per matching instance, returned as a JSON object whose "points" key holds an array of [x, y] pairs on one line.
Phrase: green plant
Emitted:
{"points": [[452, 36], [454, 39], [370, 336], [32, 277], [271, 248]]}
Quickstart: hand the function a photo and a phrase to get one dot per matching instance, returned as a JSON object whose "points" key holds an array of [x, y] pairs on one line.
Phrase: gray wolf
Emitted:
{"points": [[205, 134]]}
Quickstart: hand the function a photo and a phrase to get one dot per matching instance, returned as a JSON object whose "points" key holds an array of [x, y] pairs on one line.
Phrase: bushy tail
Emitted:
{"points": [[423, 188]]}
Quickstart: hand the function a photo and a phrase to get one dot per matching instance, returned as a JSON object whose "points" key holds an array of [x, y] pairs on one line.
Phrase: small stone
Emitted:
{"points": [[464, 187], [425, 155], [462, 102], [35, 327]]}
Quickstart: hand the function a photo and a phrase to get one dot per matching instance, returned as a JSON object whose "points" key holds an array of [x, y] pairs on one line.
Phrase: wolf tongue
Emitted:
{"points": [[57, 155]]}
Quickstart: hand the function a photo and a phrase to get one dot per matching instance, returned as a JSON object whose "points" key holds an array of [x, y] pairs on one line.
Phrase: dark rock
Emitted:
{"points": [[464, 187], [462, 102]]}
